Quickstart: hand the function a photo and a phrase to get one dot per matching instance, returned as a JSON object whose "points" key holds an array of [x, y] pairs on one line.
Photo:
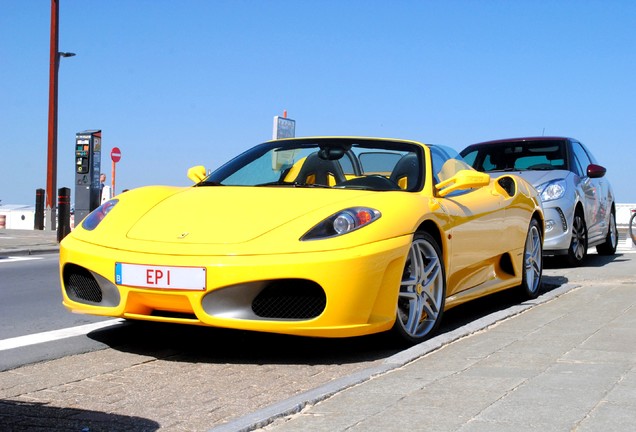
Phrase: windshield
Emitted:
{"points": [[517, 156], [343, 163]]}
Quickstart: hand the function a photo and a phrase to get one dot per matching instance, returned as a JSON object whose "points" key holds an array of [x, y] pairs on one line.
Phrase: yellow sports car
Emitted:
{"points": [[327, 236]]}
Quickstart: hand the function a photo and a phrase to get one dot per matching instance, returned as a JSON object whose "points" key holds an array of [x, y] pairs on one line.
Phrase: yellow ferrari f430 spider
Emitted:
{"points": [[326, 236]]}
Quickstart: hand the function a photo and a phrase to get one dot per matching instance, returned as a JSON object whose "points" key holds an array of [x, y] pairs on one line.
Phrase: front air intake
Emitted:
{"points": [[81, 285], [290, 299], [84, 286]]}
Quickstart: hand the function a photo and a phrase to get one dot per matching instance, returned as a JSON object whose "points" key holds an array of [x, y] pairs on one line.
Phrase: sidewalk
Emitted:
{"points": [[568, 364], [27, 242]]}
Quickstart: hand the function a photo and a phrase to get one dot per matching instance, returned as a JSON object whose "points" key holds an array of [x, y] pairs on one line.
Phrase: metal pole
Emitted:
{"points": [[112, 180], [51, 165]]}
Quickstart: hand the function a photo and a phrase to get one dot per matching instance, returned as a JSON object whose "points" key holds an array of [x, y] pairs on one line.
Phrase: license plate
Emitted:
{"points": [[162, 277]]}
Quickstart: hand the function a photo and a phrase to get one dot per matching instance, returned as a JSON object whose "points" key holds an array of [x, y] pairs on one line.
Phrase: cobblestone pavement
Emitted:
{"points": [[98, 390]]}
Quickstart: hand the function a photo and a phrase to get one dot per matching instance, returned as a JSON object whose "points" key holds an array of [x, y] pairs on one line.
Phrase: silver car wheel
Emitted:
{"points": [[613, 231], [611, 239], [579, 239], [421, 297], [533, 265]]}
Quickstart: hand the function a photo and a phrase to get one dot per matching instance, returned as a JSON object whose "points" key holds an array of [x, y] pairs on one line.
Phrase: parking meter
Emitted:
{"points": [[88, 152]]}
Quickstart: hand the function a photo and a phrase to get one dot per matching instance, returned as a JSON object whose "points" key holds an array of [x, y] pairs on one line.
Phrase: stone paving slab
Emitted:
{"points": [[565, 365]]}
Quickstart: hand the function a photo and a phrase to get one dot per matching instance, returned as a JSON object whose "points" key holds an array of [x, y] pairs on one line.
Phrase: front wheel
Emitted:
{"points": [[632, 231], [532, 262], [422, 293], [578, 244], [611, 241]]}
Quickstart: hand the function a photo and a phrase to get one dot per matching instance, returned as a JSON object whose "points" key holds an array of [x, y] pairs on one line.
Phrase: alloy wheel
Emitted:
{"points": [[579, 238], [422, 290], [533, 264]]}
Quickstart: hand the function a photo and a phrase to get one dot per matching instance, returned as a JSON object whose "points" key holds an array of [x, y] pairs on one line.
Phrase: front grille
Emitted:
{"points": [[290, 299], [81, 285]]}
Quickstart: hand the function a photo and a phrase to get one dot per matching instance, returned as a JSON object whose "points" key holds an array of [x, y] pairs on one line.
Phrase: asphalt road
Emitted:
{"points": [[30, 297], [31, 303]]}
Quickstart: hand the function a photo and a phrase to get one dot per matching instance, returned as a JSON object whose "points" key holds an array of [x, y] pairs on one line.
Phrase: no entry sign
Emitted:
{"points": [[115, 154]]}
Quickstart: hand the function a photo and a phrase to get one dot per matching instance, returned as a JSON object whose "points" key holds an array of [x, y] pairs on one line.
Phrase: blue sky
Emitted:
{"points": [[193, 82]]}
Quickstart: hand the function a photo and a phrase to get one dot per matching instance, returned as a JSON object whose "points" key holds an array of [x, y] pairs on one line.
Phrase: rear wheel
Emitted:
{"points": [[578, 244], [422, 291], [611, 241], [532, 262]]}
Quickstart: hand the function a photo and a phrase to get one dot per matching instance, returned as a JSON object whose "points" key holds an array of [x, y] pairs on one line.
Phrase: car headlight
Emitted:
{"points": [[342, 222], [552, 190], [97, 216]]}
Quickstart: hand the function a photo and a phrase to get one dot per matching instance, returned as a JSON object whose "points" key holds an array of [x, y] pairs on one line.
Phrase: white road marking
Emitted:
{"points": [[18, 258], [49, 336]]}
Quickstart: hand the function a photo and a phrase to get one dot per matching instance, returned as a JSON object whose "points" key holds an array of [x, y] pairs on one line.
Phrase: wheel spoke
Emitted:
{"points": [[415, 309], [430, 286]]}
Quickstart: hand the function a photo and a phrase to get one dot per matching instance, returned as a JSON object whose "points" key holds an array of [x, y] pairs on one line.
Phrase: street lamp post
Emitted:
{"points": [[51, 166]]}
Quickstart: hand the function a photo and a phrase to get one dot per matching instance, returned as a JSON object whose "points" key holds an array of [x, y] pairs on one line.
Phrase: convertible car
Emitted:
{"points": [[325, 237]]}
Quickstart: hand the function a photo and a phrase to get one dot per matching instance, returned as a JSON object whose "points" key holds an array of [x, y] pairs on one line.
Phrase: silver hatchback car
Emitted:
{"points": [[577, 198]]}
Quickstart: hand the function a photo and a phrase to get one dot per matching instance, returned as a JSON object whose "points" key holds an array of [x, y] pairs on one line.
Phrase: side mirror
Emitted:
{"points": [[595, 171], [196, 173], [464, 179]]}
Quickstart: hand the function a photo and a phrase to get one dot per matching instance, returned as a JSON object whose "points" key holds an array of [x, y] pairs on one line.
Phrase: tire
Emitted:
{"points": [[422, 295], [632, 232], [578, 244], [532, 262], [611, 241]]}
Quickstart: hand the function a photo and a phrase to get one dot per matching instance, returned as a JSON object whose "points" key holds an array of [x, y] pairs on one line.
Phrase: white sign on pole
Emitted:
{"points": [[284, 128]]}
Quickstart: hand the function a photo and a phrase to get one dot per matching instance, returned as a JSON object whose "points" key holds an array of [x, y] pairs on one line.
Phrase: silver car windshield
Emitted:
{"points": [[518, 156]]}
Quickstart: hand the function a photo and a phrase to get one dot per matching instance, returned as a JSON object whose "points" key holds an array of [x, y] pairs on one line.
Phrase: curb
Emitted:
{"points": [[29, 251]]}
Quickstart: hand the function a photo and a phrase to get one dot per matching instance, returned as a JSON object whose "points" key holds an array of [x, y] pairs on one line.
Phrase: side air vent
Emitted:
{"points": [[507, 184]]}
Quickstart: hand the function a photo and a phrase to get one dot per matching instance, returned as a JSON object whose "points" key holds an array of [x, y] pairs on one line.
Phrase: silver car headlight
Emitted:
{"points": [[552, 190]]}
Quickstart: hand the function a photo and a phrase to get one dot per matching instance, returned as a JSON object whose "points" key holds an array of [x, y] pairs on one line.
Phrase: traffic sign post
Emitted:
{"points": [[115, 156]]}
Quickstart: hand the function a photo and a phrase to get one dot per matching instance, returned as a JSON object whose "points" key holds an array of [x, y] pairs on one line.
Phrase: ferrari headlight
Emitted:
{"points": [[342, 222], [552, 190], [97, 216]]}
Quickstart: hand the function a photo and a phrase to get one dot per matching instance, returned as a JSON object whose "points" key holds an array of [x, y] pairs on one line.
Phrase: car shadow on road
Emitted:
{"points": [[185, 343], [591, 260], [29, 416]]}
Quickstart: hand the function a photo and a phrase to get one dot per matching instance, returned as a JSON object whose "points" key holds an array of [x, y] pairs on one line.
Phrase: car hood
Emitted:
{"points": [[535, 177], [226, 215], [231, 220]]}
